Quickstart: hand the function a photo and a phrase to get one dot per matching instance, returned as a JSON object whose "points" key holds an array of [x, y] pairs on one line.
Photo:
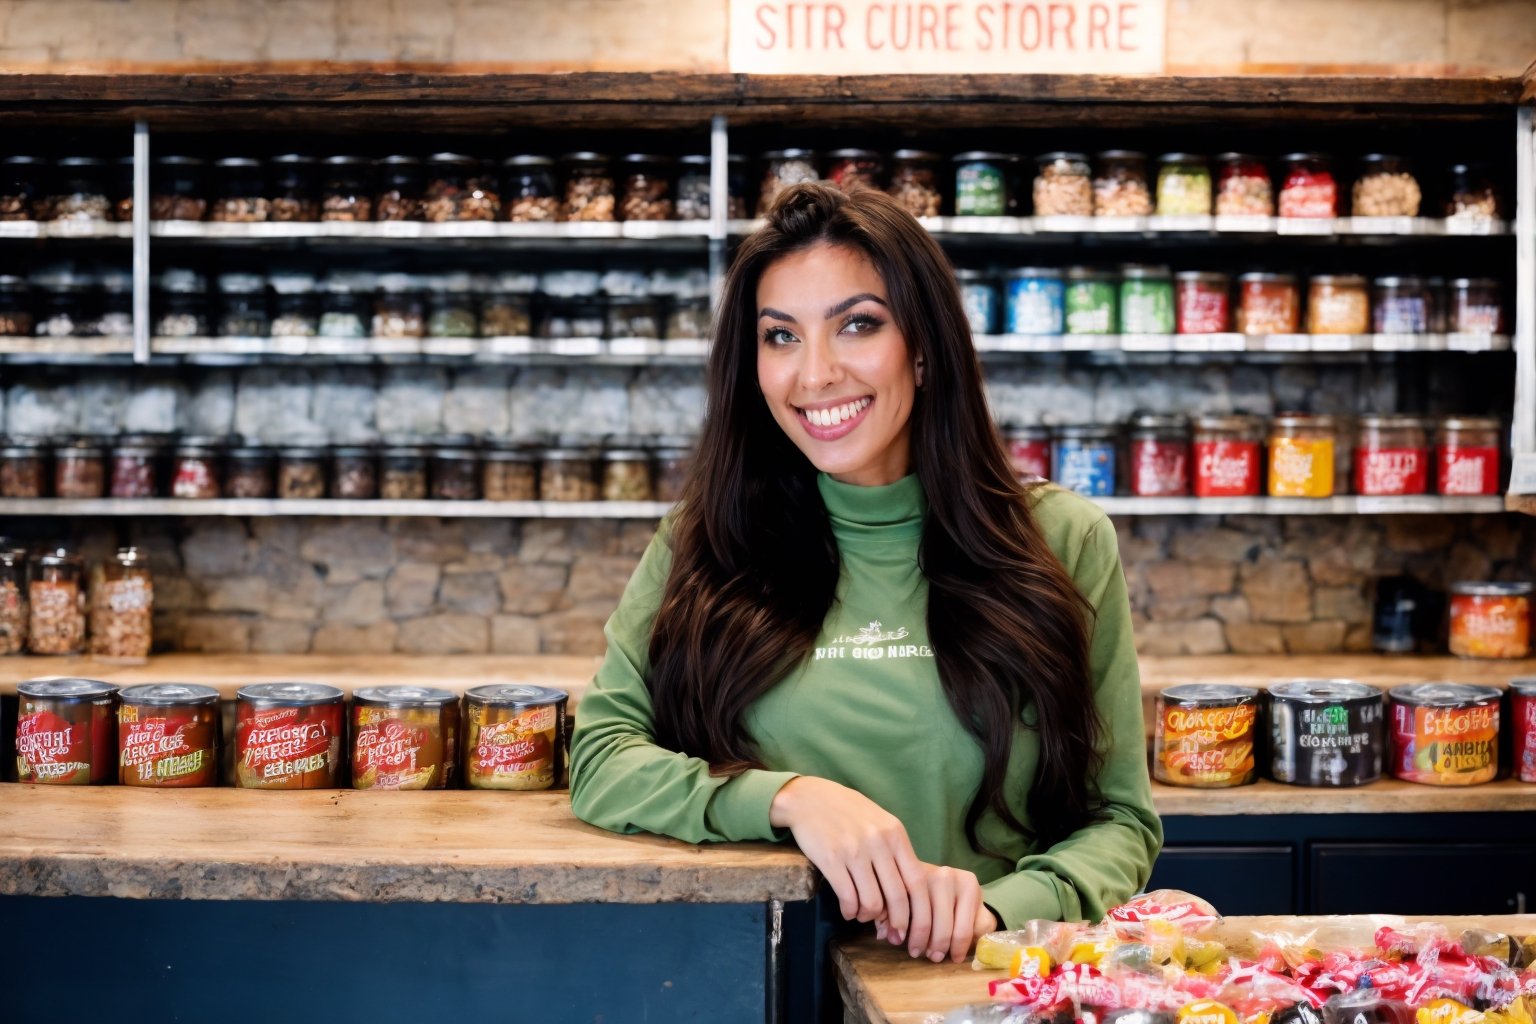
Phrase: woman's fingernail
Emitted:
{"points": [[936, 956], [900, 938], [880, 929], [913, 952]]}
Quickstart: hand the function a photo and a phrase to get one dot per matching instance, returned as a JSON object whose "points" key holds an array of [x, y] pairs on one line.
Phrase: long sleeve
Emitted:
{"points": [[620, 778], [1104, 863]]}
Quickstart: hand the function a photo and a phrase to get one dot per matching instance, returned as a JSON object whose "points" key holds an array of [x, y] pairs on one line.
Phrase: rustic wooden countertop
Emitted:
{"points": [[883, 985], [1388, 796], [420, 847]]}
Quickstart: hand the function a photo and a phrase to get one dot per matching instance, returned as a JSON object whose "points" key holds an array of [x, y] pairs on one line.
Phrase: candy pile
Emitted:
{"points": [[1164, 959]]}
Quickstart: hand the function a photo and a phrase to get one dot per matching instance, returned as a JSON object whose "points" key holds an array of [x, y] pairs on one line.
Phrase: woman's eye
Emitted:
{"points": [[777, 336], [862, 323]]}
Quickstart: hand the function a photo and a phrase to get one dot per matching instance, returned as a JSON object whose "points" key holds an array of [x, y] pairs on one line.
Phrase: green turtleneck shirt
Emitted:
{"points": [[866, 709]]}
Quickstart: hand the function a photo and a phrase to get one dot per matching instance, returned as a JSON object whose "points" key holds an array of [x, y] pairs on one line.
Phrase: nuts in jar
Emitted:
{"points": [[1120, 185], [288, 736], [176, 189], [1308, 189], [196, 471], [399, 310], [673, 455], [1159, 456], [56, 600], [1491, 620], [1202, 303], [451, 306], [13, 600], [403, 470], [294, 195], [627, 475], [79, 470], [1268, 304], [19, 196], [1183, 185], [1386, 188], [183, 305], [135, 465], [295, 312], [528, 189], [400, 187], [348, 191], [1242, 187], [1063, 186], [238, 191], [782, 168], [847, 168], [455, 465], [647, 193], [66, 732], [301, 472], [515, 737], [1467, 455], [507, 312], [568, 474], [122, 608], [1473, 200], [78, 190], [354, 472], [458, 189], [168, 736], [1338, 304], [1226, 456], [248, 472], [1301, 456], [404, 737], [21, 467], [588, 188], [15, 306], [509, 472], [915, 181], [1391, 456]]}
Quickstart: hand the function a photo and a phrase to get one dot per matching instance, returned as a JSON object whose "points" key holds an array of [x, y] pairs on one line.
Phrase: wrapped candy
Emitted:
{"points": [[1189, 914]]}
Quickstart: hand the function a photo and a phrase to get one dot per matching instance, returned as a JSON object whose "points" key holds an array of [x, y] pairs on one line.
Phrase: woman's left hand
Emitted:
{"points": [[947, 915]]}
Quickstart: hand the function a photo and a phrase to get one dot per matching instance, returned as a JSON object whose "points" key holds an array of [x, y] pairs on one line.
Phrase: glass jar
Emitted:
{"points": [[1338, 304], [248, 472], [915, 181], [1386, 188], [1202, 302], [1090, 301], [136, 466], [1439, 305], [243, 306], [847, 168], [693, 175], [399, 310], [1268, 304], [509, 472], [115, 305], [1183, 185], [1029, 452], [399, 191], [354, 472], [196, 471], [1063, 186], [1226, 456], [402, 470], [64, 306], [1301, 456], [13, 601], [574, 316], [588, 187], [673, 457], [506, 310], [528, 189], [15, 307], [239, 191], [56, 602], [451, 309], [1401, 307], [295, 190], [568, 474], [1146, 300], [979, 297], [177, 188], [295, 311], [458, 188], [20, 197], [981, 185], [120, 189], [1120, 184], [1475, 306], [455, 470], [1308, 189], [689, 317], [21, 467], [1473, 200], [1159, 456], [1036, 301], [122, 608], [627, 475], [347, 193], [1083, 459], [1243, 188], [346, 306], [1467, 455], [79, 470], [78, 190], [632, 317], [301, 472], [183, 305], [1391, 456], [782, 168], [646, 188]]}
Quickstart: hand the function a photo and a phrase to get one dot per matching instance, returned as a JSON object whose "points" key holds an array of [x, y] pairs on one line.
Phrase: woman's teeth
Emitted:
{"points": [[837, 414]]}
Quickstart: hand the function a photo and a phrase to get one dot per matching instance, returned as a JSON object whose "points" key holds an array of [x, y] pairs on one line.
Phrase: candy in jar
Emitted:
{"points": [[1203, 735], [1242, 187], [1268, 304], [56, 599], [1491, 620], [1445, 734]]}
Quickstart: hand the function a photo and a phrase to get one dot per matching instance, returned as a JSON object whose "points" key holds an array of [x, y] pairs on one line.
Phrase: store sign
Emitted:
{"points": [[863, 37]]}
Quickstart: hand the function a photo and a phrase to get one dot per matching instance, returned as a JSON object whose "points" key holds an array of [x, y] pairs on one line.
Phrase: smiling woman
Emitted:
{"points": [[858, 629]]}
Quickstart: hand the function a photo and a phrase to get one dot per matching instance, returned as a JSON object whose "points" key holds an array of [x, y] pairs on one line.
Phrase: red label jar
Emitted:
{"points": [[1491, 620], [1029, 450], [1467, 455], [1391, 456], [288, 736], [404, 737], [1227, 456], [1159, 456], [167, 736], [1268, 304], [515, 737], [1445, 734], [1522, 694], [66, 732], [1308, 188], [1202, 303]]}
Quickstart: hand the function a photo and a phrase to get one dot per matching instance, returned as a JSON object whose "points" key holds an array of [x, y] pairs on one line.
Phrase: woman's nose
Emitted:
{"points": [[818, 366]]}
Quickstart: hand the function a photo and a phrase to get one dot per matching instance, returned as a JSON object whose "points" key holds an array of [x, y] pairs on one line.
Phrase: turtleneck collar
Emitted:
{"points": [[892, 512]]}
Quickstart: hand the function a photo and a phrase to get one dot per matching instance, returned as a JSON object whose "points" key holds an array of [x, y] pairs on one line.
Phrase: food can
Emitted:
{"points": [[1522, 703], [1326, 732], [1491, 620], [1029, 451], [1445, 734], [514, 737], [288, 736], [66, 732], [1159, 456], [1084, 460], [1203, 735], [404, 737], [168, 736], [1036, 301]]}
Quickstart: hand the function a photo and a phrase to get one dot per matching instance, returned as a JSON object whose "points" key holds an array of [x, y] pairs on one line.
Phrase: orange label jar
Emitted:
{"points": [[288, 736], [404, 737], [66, 732], [167, 735], [1268, 304], [514, 737], [1301, 453], [1491, 620], [1445, 734], [1203, 735]]}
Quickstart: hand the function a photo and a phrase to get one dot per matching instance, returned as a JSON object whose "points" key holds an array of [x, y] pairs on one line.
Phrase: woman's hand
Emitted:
{"points": [[947, 915], [861, 849]]}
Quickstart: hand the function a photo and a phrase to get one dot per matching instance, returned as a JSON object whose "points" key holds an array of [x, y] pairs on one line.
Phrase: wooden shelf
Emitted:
{"points": [[1376, 669], [1388, 796]]}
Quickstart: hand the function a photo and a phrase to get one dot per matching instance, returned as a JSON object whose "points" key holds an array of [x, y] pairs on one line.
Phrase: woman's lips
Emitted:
{"points": [[842, 429]]}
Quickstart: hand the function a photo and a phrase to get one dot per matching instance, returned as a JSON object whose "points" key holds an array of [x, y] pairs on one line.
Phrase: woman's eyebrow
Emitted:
{"points": [[854, 300], [776, 314]]}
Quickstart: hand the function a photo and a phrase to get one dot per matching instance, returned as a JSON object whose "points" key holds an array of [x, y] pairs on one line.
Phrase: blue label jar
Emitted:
{"points": [[1036, 302], [1085, 462], [979, 297]]}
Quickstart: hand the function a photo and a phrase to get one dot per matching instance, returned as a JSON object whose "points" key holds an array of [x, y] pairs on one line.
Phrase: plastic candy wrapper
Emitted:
{"points": [[1188, 914], [991, 1013], [1366, 1007], [996, 951]]}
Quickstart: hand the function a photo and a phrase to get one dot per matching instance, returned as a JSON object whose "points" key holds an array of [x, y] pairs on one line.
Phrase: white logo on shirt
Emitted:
{"points": [[873, 643]]}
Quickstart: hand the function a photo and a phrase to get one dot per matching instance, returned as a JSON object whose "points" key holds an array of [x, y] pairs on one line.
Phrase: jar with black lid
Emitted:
{"points": [[400, 187], [78, 190], [847, 168], [19, 195], [79, 469], [915, 181], [64, 302], [627, 475], [506, 308], [196, 471], [243, 306], [136, 465], [177, 188], [781, 169], [346, 306], [347, 192], [693, 187], [646, 187], [455, 468], [589, 191], [21, 467], [15, 307], [295, 195], [354, 472], [114, 307], [239, 191], [399, 308], [183, 305], [248, 472], [528, 189], [403, 469], [301, 472], [451, 306], [458, 188], [295, 311], [120, 189]]}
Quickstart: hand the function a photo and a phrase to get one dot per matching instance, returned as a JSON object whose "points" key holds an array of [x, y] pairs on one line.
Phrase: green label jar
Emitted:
{"points": [[980, 189], [1146, 301], [1090, 302]]}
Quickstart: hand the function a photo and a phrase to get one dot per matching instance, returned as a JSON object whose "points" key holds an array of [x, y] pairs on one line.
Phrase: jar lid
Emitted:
{"points": [[584, 157], [452, 159], [516, 695], [1292, 420], [81, 161], [248, 452], [292, 159], [400, 160], [456, 454], [1265, 277], [79, 448], [1490, 589], [1228, 422], [1322, 691], [914, 155], [1444, 695], [169, 694], [972, 274], [626, 455], [510, 451], [349, 283], [1470, 423], [1120, 154], [1399, 282], [1061, 155], [1144, 272], [1087, 274], [58, 557], [1391, 422], [1033, 272], [568, 454], [302, 451], [19, 160], [1340, 280], [674, 441], [200, 441], [173, 160], [1300, 157], [853, 153], [1181, 158], [694, 160], [346, 161], [139, 443], [790, 154], [182, 281], [1525, 686], [1086, 432], [1381, 158], [404, 696], [1233, 158], [1202, 277], [979, 156], [1151, 421], [398, 283], [241, 284], [243, 161], [289, 695], [457, 282], [1474, 282], [25, 443], [1032, 432], [1208, 695], [66, 689], [644, 158], [530, 160], [403, 451], [292, 284]]}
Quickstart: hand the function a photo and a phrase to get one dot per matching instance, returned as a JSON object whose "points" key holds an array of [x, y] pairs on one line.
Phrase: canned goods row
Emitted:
{"points": [[1296, 455], [1141, 299], [292, 736], [1340, 733], [448, 468]]}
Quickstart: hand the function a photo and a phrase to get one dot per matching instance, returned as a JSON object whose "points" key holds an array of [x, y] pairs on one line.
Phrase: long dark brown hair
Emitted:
{"points": [[755, 563]]}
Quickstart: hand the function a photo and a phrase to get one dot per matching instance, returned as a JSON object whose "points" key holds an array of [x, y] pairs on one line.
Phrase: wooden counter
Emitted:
{"points": [[883, 985], [1388, 796]]}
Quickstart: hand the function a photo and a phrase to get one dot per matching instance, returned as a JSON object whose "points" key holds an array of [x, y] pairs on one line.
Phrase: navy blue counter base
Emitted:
{"points": [[158, 961]]}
